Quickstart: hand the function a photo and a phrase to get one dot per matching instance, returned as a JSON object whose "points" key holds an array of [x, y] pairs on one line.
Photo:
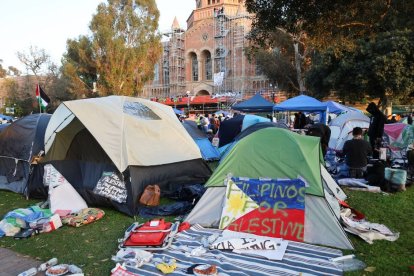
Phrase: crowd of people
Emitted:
{"points": [[210, 123], [356, 152]]}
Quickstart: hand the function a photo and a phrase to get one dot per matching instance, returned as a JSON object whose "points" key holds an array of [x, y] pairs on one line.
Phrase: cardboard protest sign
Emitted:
{"points": [[110, 186], [274, 208]]}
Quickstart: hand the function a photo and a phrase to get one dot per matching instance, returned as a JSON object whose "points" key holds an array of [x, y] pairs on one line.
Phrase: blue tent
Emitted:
{"points": [[178, 112], [337, 108], [208, 151], [255, 104], [303, 103], [5, 117], [19, 143], [230, 128]]}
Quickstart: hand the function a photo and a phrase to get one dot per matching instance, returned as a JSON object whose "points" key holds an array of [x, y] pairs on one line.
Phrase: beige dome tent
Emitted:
{"points": [[140, 140]]}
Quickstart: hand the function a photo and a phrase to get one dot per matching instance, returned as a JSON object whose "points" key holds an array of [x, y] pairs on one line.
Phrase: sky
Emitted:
{"points": [[47, 24]]}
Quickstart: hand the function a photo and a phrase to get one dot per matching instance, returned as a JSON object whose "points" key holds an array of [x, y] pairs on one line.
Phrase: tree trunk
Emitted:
{"points": [[298, 67], [388, 107]]}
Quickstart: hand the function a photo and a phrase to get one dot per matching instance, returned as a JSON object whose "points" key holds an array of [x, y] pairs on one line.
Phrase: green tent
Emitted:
{"points": [[280, 154], [274, 153]]}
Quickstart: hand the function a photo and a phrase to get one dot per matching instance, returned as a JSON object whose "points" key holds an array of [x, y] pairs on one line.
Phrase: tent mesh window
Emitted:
{"points": [[139, 110]]}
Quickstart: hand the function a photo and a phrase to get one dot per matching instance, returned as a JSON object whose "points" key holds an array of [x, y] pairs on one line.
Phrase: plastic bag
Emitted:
{"points": [[349, 263], [151, 196]]}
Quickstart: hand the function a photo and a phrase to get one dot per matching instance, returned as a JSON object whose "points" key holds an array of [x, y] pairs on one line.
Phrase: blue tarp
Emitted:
{"points": [[208, 151], [178, 112], [5, 117], [255, 104]]}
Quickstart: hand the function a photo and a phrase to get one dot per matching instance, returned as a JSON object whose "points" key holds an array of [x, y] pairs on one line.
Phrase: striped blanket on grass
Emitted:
{"points": [[299, 259]]}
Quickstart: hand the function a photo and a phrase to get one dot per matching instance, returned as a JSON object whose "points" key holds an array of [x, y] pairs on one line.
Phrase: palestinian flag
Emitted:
{"points": [[41, 97]]}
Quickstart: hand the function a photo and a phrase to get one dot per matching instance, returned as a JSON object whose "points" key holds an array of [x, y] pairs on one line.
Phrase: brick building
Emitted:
{"points": [[208, 59]]}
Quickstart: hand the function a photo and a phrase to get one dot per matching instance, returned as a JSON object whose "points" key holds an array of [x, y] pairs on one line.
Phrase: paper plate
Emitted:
{"points": [[57, 270], [205, 270]]}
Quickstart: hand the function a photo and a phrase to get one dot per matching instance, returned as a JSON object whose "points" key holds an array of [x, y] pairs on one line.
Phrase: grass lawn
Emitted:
{"points": [[91, 246], [396, 212]]}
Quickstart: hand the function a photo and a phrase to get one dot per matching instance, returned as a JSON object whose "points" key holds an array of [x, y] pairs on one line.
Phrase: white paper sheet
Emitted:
{"points": [[276, 255]]}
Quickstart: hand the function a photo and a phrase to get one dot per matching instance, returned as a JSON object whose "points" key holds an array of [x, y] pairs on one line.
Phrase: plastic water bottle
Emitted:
{"points": [[30, 272], [48, 264]]}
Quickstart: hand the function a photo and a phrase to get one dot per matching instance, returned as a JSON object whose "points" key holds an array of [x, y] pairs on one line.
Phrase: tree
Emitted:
{"points": [[79, 67], [281, 62], [379, 67], [336, 32], [46, 73], [13, 70], [3, 71], [265, 33], [19, 97], [120, 55], [36, 60], [329, 23]]}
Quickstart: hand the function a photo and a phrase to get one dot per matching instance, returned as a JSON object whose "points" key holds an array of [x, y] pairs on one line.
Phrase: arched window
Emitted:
{"points": [[156, 72], [208, 70], [194, 67]]}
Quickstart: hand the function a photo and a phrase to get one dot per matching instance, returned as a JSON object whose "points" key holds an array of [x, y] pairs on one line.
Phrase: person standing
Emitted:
{"points": [[410, 119], [393, 119], [303, 120], [205, 123], [296, 122], [356, 152], [376, 128], [322, 131]]}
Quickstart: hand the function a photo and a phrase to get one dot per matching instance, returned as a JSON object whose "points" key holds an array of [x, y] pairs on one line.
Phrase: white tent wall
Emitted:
{"points": [[333, 202], [207, 211], [331, 184], [342, 126], [322, 226]]}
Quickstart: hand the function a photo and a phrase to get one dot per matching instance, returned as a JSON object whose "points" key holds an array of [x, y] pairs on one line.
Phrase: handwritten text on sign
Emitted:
{"points": [[110, 186], [274, 208]]}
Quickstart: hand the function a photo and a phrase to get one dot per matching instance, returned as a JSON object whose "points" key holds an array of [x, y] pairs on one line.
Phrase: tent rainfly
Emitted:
{"points": [[134, 142]]}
